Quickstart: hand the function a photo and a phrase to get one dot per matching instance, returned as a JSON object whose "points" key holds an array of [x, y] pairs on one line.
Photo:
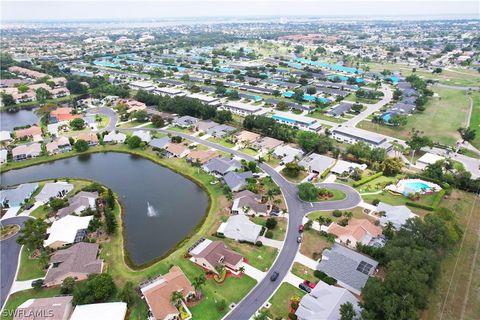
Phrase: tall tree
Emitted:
{"points": [[33, 233], [417, 141]]}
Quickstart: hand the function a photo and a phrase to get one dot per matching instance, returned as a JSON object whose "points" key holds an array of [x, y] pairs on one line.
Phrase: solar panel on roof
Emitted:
{"points": [[364, 267]]}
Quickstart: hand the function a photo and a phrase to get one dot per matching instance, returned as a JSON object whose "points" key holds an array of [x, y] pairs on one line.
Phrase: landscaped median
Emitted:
{"points": [[217, 296]]}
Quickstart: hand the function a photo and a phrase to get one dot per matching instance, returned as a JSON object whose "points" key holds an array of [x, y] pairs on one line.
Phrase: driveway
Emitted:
{"points": [[9, 259]]}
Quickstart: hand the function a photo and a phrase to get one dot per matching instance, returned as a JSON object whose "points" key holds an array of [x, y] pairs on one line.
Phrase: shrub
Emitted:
{"points": [[271, 223], [337, 213], [269, 234], [323, 276], [375, 202], [259, 243], [419, 205]]}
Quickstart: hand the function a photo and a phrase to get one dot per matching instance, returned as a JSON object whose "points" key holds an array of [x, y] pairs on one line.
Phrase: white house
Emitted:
{"points": [[65, 230], [240, 228], [397, 215], [100, 311]]}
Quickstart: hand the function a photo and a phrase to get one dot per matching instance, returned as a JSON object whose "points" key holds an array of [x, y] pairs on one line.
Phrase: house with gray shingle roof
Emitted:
{"points": [[221, 166], [78, 262], [16, 196], [397, 215], [237, 180], [185, 121], [160, 143], [78, 203], [221, 130], [54, 190], [350, 268]]}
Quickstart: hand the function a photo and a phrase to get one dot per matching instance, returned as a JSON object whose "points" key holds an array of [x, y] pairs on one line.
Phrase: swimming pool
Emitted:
{"points": [[409, 186], [386, 117], [416, 186]]}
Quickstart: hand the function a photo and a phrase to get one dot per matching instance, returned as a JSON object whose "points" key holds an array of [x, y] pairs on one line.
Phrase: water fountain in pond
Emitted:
{"points": [[151, 211]]}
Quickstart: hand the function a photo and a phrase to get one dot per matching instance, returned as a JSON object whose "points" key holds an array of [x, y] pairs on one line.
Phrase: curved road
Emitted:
{"points": [[10, 250], [297, 209]]}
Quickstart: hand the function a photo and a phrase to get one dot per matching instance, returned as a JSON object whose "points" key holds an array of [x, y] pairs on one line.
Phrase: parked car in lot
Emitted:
{"points": [[274, 276], [309, 284], [305, 287]]}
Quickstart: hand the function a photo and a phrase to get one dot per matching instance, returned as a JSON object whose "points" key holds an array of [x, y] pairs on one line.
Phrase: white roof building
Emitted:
{"points": [[397, 215], [114, 137], [144, 135], [323, 303], [64, 231], [346, 166], [100, 311], [316, 163], [3, 155], [428, 158], [287, 154], [240, 228], [5, 136]]}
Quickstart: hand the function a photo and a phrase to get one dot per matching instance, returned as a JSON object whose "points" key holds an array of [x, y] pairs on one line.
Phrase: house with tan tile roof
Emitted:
{"points": [[91, 138], [158, 291], [24, 151], [62, 114], [357, 230], [247, 138], [177, 150], [55, 308], [201, 156], [28, 132]]}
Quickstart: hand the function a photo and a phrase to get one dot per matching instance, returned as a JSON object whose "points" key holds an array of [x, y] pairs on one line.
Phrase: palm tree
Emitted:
{"points": [[269, 154], [198, 282], [270, 195], [348, 214], [175, 298], [220, 268], [321, 220], [262, 315]]}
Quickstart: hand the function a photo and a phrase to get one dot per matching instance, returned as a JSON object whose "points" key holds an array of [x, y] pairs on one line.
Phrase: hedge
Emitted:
{"points": [[325, 173], [324, 277], [367, 179], [438, 197], [419, 205]]}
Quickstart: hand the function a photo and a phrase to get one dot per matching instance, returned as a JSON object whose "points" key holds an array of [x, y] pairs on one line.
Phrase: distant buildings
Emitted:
{"points": [[353, 135]]}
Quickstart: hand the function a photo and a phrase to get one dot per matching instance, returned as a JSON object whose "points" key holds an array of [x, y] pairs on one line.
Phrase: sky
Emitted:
{"points": [[128, 9]]}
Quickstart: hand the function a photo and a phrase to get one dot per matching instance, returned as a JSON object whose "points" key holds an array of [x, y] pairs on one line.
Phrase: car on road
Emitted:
{"points": [[299, 239], [305, 288], [29, 206], [300, 228], [274, 276]]}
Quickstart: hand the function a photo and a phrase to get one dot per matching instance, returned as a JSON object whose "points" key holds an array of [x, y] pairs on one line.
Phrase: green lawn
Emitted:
{"points": [[131, 124], [357, 213], [440, 121], [18, 298], [280, 301], [323, 116], [29, 268], [337, 195], [303, 272], [259, 257], [398, 200], [280, 229], [298, 179], [313, 244], [475, 119], [249, 151], [222, 142], [378, 184]]}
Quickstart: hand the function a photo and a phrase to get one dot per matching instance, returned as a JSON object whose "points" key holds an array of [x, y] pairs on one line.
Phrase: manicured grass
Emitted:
{"points": [[259, 257], [272, 162], [303, 272], [337, 195], [298, 179], [475, 119], [280, 229], [281, 300], [131, 124], [8, 231], [249, 151], [29, 268], [357, 213], [455, 275], [323, 116], [313, 244], [440, 121], [178, 129], [398, 200], [222, 142], [18, 298], [378, 184]]}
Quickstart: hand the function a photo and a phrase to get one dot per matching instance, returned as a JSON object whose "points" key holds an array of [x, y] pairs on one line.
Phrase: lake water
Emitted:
{"points": [[161, 206], [17, 118]]}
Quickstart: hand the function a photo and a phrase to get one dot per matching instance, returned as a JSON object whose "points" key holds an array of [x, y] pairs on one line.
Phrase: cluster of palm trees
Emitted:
{"points": [[176, 297]]}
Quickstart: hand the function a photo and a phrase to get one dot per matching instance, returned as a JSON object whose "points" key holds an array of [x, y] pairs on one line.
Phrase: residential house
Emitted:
{"points": [[210, 254], [176, 150], [236, 181], [427, 159], [132, 105], [114, 137], [221, 130], [159, 143], [204, 125], [287, 154], [5, 137], [79, 202], [343, 166], [59, 145], [351, 269], [26, 151], [240, 228], [52, 190], [28, 132], [3, 156], [67, 230], [353, 135], [62, 115], [100, 311], [77, 261], [185, 121], [323, 303], [249, 203], [90, 138], [144, 135], [357, 231], [55, 308], [339, 110], [201, 156], [221, 166], [15, 197], [316, 163], [397, 215], [157, 293], [247, 138], [266, 144]]}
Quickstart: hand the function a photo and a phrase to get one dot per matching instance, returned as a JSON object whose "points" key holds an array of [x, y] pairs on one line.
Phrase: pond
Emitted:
{"points": [[161, 206], [17, 118]]}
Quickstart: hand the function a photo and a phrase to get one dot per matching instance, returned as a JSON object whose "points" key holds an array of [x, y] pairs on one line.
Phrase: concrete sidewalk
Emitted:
{"points": [[254, 272]]}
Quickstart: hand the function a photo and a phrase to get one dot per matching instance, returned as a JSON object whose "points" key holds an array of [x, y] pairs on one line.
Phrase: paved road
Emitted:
{"points": [[448, 86], [111, 114], [9, 259], [296, 209]]}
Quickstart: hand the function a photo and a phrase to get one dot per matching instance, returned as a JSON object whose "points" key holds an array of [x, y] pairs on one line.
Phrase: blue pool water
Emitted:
{"points": [[386, 117], [288, 94], [416, 187]]}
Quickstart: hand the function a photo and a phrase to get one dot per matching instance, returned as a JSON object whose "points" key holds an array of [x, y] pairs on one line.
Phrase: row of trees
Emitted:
{"points": [[270, 128]]}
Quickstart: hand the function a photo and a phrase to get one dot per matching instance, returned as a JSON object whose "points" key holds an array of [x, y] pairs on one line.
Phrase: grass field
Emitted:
{"points": [[357, 214], [323, 116], [303, 272], [456, 295], [475, 119], [440, 121], [313, 244], [281, 300], [29, 268], [280, 229]]}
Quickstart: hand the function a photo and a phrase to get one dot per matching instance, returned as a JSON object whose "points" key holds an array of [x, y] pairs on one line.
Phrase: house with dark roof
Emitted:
{"points": [[210, 254], [221, 130], [14, 197], [160, 143], [249, 203], [350, 268], [236, 181], [185, 121], [339, 110], [77, 262], [221, 166], [79, 202]]}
